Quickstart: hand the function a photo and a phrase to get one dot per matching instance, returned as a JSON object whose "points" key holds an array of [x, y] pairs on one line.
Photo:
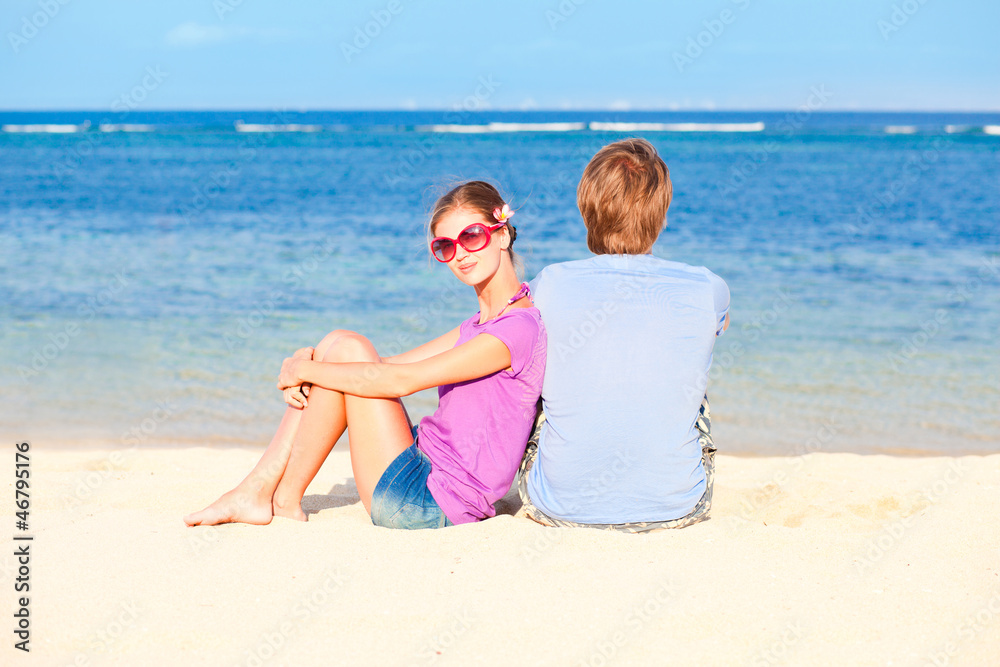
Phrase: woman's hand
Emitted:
{"points": [[296, 396], [289, 376], [288, 381]]}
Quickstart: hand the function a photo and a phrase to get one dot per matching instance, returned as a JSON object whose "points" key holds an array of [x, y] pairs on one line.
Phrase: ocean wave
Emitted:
{"points": [[291, 127], [504, 127], [972, 129], [677, 127], [46, 129], [211, 125], [126, 127]]}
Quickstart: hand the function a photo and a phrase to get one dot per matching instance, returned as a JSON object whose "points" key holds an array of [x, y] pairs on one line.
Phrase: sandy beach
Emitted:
{"points": [[825, 559]]}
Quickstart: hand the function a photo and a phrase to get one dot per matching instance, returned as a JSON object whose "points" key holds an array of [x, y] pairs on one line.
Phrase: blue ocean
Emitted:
{"points": [[158, 266]]}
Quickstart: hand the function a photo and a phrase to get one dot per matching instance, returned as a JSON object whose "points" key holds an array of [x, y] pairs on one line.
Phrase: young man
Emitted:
{"points": [[624, 439]]}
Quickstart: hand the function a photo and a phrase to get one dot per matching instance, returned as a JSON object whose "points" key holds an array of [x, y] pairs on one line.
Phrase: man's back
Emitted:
{"points": [[630, 344]]}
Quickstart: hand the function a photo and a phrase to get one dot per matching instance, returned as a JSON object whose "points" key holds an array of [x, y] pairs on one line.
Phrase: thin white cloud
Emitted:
{"points": [[192, 34]]}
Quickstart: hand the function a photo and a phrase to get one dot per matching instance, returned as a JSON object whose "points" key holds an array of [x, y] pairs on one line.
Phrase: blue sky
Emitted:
{"points": [[568, 54]]}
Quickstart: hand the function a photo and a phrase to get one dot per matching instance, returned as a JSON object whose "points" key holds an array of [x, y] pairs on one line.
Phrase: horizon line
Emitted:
{"points": [[485, 111]]}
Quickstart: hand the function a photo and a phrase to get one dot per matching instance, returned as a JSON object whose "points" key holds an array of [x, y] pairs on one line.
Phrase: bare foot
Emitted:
{"points": [[235, 506], [288, 510]]}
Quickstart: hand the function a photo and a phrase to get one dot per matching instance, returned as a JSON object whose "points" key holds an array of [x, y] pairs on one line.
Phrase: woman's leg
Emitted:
{"points": [[378, 429], [251, 500], [304, 439]]}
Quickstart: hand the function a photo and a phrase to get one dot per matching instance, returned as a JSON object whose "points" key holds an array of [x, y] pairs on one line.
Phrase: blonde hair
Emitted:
{"points": [[479, 197], [623, 196]]}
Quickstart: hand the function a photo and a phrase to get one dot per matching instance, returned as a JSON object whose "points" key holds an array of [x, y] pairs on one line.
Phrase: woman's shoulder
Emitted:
{"points": [[525, 313], [524, 320], [526, 323]]}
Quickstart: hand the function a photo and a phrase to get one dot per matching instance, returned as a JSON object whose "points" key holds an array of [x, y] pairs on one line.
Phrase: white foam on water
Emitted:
{"points": [[537, 127], [505, 127], [677, 127], [900, 129], [46, 129], [126, 127], [461, 129], [292, 127], [991, 129]]}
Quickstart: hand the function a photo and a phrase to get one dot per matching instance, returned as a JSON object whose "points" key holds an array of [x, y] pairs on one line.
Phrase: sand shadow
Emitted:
{"points": [[510, 503], [341, 495], [344, 494]]}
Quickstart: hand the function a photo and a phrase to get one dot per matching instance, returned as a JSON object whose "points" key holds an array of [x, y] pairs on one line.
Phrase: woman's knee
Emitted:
{"points": [[328, 340], [349, 346]]}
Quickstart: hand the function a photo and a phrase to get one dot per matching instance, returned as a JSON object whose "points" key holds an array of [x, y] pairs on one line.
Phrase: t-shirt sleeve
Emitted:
{"points": [[720, 292], [519, 332]]}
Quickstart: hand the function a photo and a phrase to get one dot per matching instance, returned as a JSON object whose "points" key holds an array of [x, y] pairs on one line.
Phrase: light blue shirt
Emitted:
{"points": [[630, 341]]}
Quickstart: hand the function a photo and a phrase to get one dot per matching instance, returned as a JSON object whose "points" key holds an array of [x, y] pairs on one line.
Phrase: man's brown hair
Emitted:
{"points": [[623, 196]]}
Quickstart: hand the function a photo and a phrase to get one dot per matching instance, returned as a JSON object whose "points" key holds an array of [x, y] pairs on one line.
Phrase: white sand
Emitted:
{"points": [[827, 559]]}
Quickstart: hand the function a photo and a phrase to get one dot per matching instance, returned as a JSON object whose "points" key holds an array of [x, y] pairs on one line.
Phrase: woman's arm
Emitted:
{"points": [[427, 350], [481, 356]]}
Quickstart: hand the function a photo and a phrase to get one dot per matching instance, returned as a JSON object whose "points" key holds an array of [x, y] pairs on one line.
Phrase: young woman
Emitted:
{"points": [[458, 462]]}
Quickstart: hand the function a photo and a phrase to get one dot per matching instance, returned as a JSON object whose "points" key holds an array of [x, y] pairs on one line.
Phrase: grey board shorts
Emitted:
{"points": [[696, 515]]}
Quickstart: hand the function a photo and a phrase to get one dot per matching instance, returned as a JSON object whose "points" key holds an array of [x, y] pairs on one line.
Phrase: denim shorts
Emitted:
{"points": [[401, 498]]}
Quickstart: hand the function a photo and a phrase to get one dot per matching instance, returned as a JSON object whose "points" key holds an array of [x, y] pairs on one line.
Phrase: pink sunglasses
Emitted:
{"points": [[473, 238]]}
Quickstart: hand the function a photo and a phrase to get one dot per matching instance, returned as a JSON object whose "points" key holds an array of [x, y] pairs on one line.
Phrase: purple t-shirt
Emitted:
{"points": [[476, 437]]}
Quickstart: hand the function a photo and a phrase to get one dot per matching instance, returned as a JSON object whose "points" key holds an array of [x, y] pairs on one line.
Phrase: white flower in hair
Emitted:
{"points": [[502, 214]]}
